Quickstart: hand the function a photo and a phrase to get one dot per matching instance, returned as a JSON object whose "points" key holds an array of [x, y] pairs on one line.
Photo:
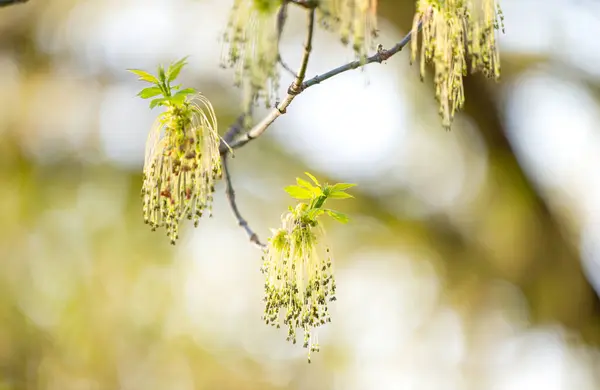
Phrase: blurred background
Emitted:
{"points": [[473, 257]]}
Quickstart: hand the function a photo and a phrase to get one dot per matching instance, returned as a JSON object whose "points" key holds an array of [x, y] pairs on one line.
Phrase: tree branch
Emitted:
{"points": [[299, 86], [4, 3]]}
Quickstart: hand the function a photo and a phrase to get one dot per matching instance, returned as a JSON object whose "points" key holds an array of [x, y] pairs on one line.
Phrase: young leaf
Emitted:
{"points": [[298, 192], [158, 102], [313, 179], [149, 92], [308, 186], [312, 214], [177, 99], [144, 76], [161, 73], [341, 187], [185, 92], [175, 68], [339, 195], [341, 217]]}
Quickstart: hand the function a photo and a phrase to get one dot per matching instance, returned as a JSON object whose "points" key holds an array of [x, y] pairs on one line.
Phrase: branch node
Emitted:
{"points": [[295, 88]]}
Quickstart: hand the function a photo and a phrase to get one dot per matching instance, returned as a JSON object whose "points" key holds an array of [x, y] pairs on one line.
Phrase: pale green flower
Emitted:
{"points": [[297, 265], [299, 277], [182, 164], [251, 48], [453, 32], [354, 20]]}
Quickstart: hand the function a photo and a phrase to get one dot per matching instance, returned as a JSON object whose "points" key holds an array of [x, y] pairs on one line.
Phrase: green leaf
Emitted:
{"points": [[313, 179], [161, 73], [308, 186], [159, 102], [341, 187], [149, 92], [341, 217], [144, 76], [177, 99], [185, 92], [312, 214], [175, 68], [339, 195], [298, 192]]}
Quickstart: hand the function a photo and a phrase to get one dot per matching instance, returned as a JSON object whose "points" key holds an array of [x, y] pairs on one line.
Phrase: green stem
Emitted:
{"points": [[319, 201]]}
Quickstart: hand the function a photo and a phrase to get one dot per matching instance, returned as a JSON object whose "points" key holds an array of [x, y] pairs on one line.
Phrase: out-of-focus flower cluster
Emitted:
{"points": [[251, 48], [453, 32], [181, 165], [251, 39], [354, 20], [299, 279]]}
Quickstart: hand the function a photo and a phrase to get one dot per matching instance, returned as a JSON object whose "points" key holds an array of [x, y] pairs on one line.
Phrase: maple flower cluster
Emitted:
{"points": [[354, 20], [182, 161], [251, 48], [181, 168], [452, 32], [299, 281]]}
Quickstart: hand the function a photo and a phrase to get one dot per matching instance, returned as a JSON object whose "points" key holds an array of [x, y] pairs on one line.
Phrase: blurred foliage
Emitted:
{"points": [[91, 299]]}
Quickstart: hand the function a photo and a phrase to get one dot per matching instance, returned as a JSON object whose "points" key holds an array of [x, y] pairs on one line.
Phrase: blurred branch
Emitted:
{"points": [[310, 4], [233, 131], [281, 19], [4, 3]]}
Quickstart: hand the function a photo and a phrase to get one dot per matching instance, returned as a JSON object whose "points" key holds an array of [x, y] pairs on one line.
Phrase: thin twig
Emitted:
{"points": [[231, 197], [224, 150], [307, 50], [286, 67], [310, 4], [379, 57], [298, 87], [281, 19]]}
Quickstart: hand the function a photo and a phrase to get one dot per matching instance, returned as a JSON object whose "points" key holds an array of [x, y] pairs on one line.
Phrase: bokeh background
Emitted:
{"points": [[473, 257]]}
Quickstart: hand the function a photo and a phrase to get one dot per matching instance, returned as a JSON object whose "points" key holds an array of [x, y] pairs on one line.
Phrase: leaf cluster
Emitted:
{"points": [[317, 193], [171, 95]]}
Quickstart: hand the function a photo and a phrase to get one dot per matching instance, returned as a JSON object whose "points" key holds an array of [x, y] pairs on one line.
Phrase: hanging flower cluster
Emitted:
{"points": [[354, 20], [251, 48], [454, 31], [297, 265], [182, 159]]}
